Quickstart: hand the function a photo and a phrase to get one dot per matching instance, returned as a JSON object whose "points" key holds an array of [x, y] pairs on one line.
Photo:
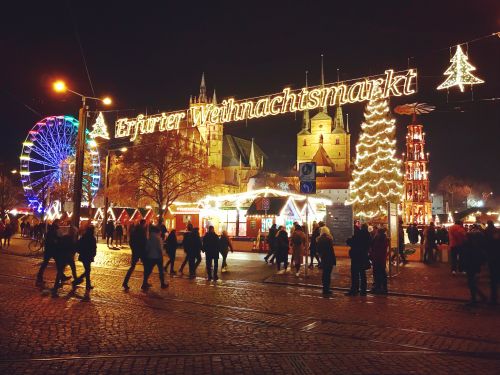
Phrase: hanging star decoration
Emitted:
{"points": [[459, 72], [99, 129]]}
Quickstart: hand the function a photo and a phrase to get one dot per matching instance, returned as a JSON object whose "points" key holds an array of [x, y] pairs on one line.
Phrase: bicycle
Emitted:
{"points": [[36, 246]]}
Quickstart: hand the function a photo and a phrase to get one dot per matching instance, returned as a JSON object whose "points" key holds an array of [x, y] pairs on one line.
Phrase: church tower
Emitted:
{"points": [[211, 134], [324, 140], [215, 140]]}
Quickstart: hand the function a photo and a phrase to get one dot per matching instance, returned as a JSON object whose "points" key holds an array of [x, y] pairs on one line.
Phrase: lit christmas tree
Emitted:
{"points": [[377, 177], [99, 129], [459, 72]]}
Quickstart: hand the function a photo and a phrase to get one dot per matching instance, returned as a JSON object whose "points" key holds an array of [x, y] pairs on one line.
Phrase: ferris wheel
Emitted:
{"points": [[48, 154]]}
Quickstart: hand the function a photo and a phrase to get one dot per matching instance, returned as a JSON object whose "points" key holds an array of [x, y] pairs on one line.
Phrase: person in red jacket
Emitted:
{"points": [[378, 255], [457, 237]]}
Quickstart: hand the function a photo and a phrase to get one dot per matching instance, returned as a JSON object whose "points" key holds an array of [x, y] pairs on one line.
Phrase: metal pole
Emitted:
{"points": [[106, 199], [307, 234], [80, 154]]}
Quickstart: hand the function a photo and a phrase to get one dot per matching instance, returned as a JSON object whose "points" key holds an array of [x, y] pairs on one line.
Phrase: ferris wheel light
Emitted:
{"points": [[59, 86], [107, 100], [24, 157], [24, 173]]}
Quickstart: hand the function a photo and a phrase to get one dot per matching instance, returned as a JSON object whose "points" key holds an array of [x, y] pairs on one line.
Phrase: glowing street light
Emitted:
{"points": [[60, 87], [123, 149]]}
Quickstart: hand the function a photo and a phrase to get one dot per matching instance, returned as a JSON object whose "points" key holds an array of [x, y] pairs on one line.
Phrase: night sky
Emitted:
{"points": [[150, 57]]}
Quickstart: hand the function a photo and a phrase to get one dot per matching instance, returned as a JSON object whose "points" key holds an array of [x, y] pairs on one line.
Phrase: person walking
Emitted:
{"points": [[137, 244], [186, 244], [64, 256], [492, 236], [360, 262], [378, 255], [50, 249], [298, 242], [7, 234], [457, 236], [282, 247], [313, 253], [110, 231], [171, 247], [87, 249], [194, 252], [473, 258], [211, 249], [401, 243], [119, 234], [153, 257], [271, 240], [324, 246], [225, 245]]}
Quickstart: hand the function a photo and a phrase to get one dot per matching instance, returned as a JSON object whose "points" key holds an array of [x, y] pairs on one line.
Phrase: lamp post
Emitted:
{"points": [[60, 86], [106, 185]]}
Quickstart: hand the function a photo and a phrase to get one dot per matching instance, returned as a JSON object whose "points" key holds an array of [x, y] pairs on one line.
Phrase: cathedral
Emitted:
{"points": [[233, 160], [325, 141]]}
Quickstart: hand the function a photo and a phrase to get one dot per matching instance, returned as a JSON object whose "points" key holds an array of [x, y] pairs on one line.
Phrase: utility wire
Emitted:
{"points": [[77, 35]]}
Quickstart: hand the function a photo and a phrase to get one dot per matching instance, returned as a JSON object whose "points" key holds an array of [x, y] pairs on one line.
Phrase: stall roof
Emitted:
{"points": [[276, 205]]}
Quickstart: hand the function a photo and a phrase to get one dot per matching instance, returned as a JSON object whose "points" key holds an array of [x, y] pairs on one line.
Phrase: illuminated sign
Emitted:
{"points": [[353, 91]]}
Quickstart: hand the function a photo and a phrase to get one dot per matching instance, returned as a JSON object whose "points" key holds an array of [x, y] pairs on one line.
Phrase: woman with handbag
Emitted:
{"points": [[360, 244]]}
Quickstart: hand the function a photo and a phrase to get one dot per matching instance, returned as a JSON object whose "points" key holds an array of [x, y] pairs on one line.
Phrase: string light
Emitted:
{"points": [[377, 177]]}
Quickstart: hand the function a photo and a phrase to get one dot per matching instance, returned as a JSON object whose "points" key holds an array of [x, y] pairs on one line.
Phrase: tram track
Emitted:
{"points": [[302, 323]]}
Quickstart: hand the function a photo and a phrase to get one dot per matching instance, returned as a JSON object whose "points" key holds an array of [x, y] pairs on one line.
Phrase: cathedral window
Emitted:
{"points": [[337, 141], [305, 143], [321, 138]]}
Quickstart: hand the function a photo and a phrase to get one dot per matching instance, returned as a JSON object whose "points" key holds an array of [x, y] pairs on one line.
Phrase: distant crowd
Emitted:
{"points": [[471, 248]]}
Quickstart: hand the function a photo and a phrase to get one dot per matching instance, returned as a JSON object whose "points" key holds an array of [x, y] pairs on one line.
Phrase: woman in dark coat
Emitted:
{"points": [[87, 247], [324, 247], [360, 245], [171, 245], [378, 255]]}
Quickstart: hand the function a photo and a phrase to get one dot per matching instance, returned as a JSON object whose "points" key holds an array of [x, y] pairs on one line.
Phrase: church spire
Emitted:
{"points": [[338, 121], [214, 98], [251, 158], [203, 90], [323, 109], [347, 125], [305, 120]]}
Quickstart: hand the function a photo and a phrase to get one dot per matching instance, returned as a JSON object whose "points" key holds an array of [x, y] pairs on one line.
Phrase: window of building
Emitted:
{"points": [[337, 141], [305, 143]]}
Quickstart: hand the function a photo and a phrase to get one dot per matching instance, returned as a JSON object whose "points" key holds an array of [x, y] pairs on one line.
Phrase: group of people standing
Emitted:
{"points": [[7, 230], [115, 233], [368, 250]]}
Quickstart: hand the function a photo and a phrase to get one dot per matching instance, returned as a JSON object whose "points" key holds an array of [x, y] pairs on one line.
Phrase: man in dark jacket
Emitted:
{"points": [[137, 244], [211, 249], [110, 232], [51, 247], [360, 244]]}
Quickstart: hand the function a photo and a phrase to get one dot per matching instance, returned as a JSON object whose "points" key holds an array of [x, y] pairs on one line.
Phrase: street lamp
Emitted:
{"points": [[60, 86]]}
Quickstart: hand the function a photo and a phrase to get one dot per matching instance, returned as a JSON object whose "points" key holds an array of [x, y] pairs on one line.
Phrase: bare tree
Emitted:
{"points": [[10, 194], [161, 169]]}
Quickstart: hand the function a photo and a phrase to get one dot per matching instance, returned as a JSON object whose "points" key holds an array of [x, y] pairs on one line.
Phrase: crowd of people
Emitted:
{"points": [[470, 248]]}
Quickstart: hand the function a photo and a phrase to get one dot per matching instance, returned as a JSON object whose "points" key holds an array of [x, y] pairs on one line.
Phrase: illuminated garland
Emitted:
{"points": [[377, 178], [459, 72]]}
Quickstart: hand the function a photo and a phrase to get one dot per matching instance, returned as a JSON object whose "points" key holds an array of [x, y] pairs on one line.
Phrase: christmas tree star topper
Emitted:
{"points": [[459, 72]]}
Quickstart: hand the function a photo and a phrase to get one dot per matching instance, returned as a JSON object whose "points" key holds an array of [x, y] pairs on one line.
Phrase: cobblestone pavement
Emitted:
{"points": [[242, 326]]}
